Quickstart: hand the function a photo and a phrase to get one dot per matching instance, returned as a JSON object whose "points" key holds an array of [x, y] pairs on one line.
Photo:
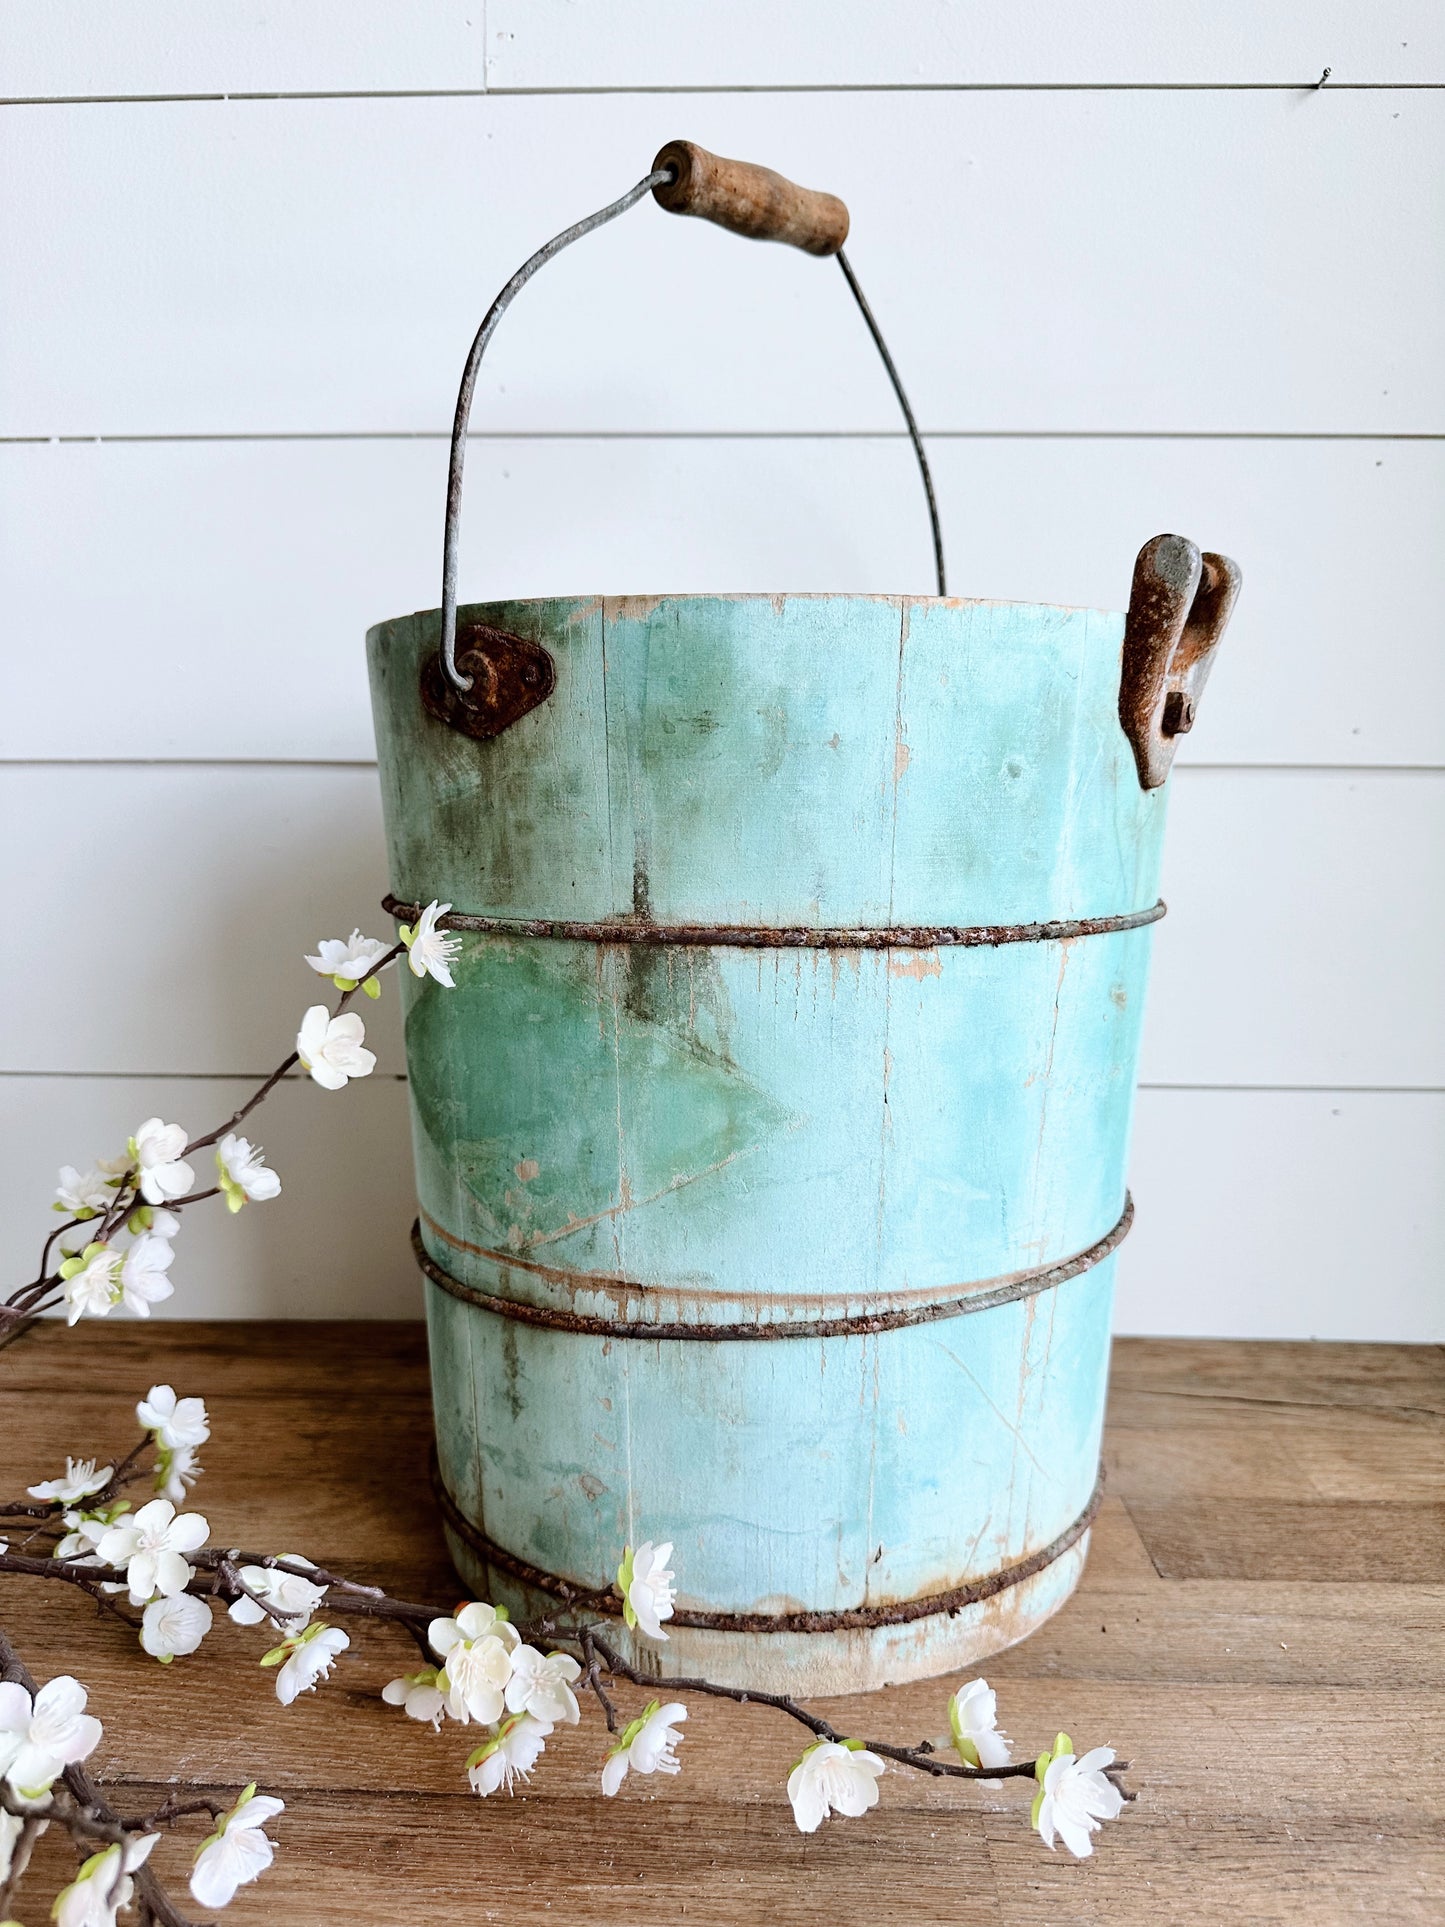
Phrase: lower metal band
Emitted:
{"points": [[699, 936], [982, 1297], [849, 1619]]}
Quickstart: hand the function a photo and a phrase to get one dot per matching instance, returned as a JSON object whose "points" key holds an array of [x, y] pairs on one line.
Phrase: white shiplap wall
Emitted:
{"points": [[1137, 275]]}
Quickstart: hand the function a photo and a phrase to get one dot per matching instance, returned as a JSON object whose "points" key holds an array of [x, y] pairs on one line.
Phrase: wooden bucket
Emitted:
{"points": [[771, 1145], [798, 1022]]}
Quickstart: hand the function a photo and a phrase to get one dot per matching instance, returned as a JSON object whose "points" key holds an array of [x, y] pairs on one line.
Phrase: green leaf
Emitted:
{"points": [[1038, 1808], [372, 987], [278, 1653], [634, 1727], [854, 1746], [344, 983], [624, 1582], [966, 1750], [71, 1266], [1062, 1744], [89, 1868], [1042, 1765]]}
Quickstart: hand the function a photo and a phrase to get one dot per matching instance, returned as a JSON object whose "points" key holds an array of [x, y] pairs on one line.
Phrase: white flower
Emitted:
{"points": [[157, 1149], [476, 1649], [176, 1471], [419, 1694], [542, 1686], [510, 1756], [346, 960], [104, 1885], [646, 1587], [288, 1596], [242, 1172], [171, 1628], [82, 1194], [154, 1217], [38, 1741], [77, 1548], [175, 1421], [86, 1528], [331, 1048], [650, 1744], [78, 1481], [1075, 1796], [973, 1727], [238, 1851], [143, 1280], [429, 953], [149, 1544], [834, 1776], [92, 1283], [306, 1659]]}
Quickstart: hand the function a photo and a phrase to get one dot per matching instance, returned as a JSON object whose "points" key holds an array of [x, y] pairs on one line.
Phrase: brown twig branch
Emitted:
{"points": [[921, 1758], [592, 1677]]}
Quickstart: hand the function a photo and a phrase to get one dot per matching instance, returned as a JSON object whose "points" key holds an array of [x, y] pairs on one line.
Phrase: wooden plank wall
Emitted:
{"points": [[1139, 274]]}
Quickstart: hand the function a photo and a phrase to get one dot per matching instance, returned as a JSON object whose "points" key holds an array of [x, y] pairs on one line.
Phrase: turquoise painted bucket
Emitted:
{"points": [[771, 1146], [804, 945]]}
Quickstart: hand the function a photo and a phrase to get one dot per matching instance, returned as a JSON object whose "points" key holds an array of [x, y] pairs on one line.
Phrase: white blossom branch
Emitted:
{"points": [[222, 1575], [102, 1218]]}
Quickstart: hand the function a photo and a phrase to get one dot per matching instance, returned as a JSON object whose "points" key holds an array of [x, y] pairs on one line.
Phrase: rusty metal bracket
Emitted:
{"points": [[1178, 608], [902, 1612], [507, 676]]}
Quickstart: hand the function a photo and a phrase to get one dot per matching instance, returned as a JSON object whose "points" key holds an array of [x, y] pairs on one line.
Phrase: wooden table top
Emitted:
{"points": [[1261, 1630]]}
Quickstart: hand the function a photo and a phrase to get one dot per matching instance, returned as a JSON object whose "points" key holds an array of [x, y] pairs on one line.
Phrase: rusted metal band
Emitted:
{"points": [[849, 1619], [1018, 1284], [701, 936]]}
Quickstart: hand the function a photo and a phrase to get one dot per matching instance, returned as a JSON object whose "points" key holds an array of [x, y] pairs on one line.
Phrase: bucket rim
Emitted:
{"points": [[638, 606]]}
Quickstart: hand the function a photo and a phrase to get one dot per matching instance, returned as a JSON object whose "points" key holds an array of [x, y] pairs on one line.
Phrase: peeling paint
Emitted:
{"points": [[916, 964], [631, 608]]}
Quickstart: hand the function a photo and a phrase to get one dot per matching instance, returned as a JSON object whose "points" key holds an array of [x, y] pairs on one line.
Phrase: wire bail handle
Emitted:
{"points": [[514, 675]]}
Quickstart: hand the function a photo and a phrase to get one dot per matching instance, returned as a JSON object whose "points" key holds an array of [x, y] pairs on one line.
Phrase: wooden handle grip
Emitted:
{"points": [[750, 200]]}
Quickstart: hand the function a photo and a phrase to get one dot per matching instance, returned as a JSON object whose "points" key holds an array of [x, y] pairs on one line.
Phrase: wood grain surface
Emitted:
{"points": [[1261, 1629]]}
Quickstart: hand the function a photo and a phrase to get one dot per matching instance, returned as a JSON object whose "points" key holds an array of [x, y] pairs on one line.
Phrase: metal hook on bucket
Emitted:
{"points": [[685, 179]]}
